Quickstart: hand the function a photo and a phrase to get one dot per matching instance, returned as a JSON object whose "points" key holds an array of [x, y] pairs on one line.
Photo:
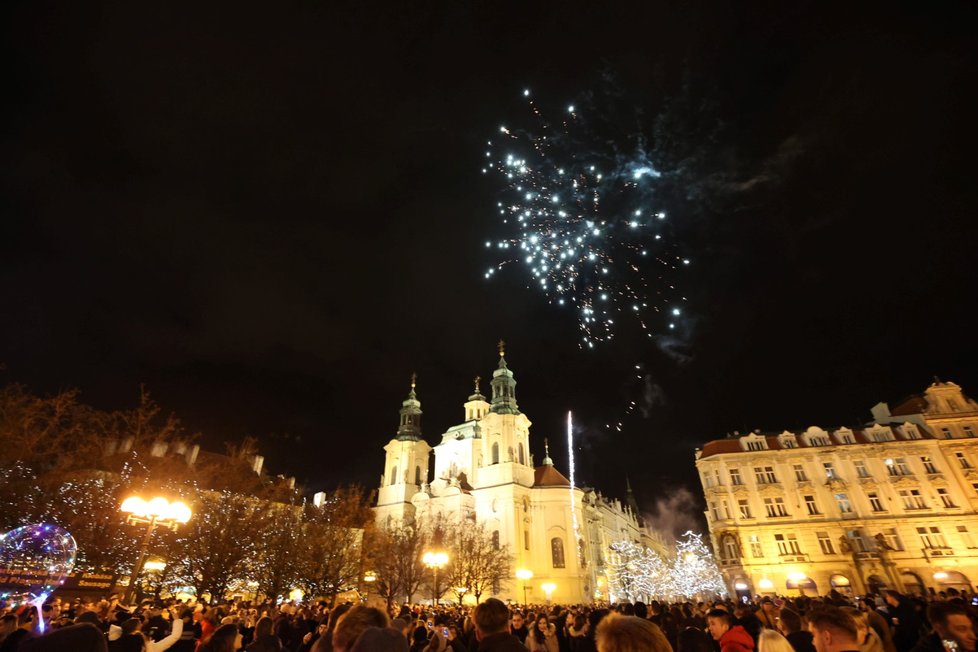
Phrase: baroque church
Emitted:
{"points": [[484, 471]]}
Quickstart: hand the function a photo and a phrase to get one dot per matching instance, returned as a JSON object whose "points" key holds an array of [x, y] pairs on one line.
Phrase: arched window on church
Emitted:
{"points": [[417, 475], [495, 539], [519, 450], [509, 454], [557, 552], [394, 475], [495, 453]]}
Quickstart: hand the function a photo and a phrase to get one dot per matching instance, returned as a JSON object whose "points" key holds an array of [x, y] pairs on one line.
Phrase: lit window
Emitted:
{"points": [[557, 552], [912, 499], [756, 549], [775, 507], [965, 536], [800, 473], [931, 537], [875, 503], [928, 464], [811, 506], [744, 506], [892, 538], [945, 497], [825, 542], [830, 470], [787, 544], [844, 505]]}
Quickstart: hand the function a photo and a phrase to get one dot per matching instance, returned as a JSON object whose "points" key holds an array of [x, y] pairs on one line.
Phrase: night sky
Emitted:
{"points": [[272, 216]]}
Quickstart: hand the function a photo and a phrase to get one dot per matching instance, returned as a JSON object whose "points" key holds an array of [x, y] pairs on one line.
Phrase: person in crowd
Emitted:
{"points": [[517, 627], [630, 634], [868, 640], [951, 623], [265, 640], [576, 632], [771, 640], [187, 642], [225, 638], [768, 614], [731, 637], [493, 628], [83, 637], [543, 638], [791, 626], [8, 623], [833, 630], [877, 622], [694, 639], [351, 624], [26, 619], [380, 639], [745, 618], [906, 623]]}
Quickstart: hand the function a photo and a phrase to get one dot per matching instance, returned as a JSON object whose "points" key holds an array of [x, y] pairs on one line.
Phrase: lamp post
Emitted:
{"points": [[524, 574], [435, 561], [151, 513]]}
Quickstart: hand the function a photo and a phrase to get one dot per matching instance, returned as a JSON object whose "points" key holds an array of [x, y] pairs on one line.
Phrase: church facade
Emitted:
{"points": [[483, 471]]}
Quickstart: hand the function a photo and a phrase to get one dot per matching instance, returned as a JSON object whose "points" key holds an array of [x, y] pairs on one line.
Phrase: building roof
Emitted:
{"points": [[548, 476], [915, 404], [733, 445]]}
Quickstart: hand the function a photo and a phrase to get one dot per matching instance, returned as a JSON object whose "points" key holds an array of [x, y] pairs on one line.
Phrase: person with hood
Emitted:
{"points": [[732, 638]]}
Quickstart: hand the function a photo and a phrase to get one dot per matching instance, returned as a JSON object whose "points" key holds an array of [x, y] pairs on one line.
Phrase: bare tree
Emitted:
{"points": [[332, 542]]}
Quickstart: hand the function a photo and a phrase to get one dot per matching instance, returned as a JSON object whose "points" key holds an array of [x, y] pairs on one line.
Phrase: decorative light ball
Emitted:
{"points": [[40, 556]]}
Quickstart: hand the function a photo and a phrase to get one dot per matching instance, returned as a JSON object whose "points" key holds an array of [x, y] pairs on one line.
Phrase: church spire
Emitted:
{"points": [[546, 453], [410, 426], [503, 386]]}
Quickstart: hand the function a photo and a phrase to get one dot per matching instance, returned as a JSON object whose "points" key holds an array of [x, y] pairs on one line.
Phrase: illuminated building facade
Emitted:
{"points": [[891, 504], [483, 472]]}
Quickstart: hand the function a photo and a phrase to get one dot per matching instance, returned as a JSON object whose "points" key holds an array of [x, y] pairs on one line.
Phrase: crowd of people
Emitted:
{"points": [[890, 622]]}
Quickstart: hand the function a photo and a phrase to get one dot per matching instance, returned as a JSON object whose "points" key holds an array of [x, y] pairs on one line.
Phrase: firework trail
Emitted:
{"points": [[580, 216]]}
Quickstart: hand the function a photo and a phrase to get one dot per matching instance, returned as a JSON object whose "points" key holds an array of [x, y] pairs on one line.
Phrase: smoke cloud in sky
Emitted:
{"points": [[675, 512]]}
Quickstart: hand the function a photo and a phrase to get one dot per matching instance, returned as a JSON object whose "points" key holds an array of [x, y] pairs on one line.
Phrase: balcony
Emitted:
{"points": [[867, 556], [729, 563], [938, 551], [794, 557]]}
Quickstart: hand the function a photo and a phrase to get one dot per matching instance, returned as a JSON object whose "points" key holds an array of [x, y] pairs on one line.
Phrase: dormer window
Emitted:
{"points": [[754, 442], [845, 437], [910, 432]]}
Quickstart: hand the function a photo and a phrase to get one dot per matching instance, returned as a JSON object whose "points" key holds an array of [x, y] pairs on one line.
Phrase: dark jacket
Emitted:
{"points": [[736, 640], [266, 643], [801, 641], [501, 642], [930, 643], [906, 632]]}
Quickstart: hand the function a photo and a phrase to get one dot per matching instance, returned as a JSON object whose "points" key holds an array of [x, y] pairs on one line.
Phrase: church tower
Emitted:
{"points": [[406, 466]]}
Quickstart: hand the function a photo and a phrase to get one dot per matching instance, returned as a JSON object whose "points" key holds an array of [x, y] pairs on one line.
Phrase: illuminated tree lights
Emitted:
{"points": [[639, 573]]}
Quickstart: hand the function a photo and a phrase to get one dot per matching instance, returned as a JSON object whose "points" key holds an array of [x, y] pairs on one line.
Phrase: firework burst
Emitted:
{"points": [[578, 205]]}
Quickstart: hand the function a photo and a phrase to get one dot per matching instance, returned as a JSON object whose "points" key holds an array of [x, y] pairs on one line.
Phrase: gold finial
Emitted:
{"points": [[414, 380], [546, 446], [477, 379], [502, 348]]}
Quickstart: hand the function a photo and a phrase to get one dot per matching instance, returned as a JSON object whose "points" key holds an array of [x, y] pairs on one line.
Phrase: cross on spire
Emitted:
{"points": [[502, 348], [476, 380], [414, 380]]}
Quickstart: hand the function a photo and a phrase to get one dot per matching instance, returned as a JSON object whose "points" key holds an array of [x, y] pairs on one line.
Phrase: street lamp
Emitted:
{"points": [[158, 511], [524, 574], [548, 588], [434, 561]]}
